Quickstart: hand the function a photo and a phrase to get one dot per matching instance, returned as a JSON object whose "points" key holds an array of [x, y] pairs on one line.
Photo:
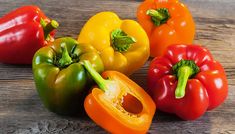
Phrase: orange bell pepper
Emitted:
{"points": [[119, 105], [166, 22]]}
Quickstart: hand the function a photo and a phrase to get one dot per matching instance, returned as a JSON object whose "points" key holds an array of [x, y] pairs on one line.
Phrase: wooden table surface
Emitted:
{"points": [[21, 110]]}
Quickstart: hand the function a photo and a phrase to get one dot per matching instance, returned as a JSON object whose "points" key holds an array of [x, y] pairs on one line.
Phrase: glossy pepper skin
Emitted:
{"points": [[22, 32], [61, 80], [123, 44], [118, 104], [187, 81], [166, 22]]}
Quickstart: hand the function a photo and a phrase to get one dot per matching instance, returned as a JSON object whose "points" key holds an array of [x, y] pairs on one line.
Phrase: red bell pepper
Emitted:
{"points": [[22, 32], [187, 81]]}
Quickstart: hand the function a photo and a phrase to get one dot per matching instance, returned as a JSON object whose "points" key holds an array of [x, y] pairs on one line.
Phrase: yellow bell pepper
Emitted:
{"points": [[123, 44]]}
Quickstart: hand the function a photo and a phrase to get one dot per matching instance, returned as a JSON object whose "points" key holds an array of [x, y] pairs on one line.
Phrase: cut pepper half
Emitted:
{"points": [[119, 105]]}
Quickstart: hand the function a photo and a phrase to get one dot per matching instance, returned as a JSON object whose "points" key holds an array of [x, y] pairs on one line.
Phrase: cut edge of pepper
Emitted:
{"points": [[107, 85]]}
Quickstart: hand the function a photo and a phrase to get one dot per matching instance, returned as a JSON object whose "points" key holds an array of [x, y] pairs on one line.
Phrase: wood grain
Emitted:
{"points": [[21, 110]]}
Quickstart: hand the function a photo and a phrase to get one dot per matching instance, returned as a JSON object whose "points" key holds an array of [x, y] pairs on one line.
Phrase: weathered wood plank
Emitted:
{"points": [[21, 110]]}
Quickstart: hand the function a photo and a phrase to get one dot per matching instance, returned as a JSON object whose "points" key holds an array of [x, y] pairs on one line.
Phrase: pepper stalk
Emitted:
{"points": [[184, 70], [103, 84], [159, 16], [65, 59], [121, 41], [48, 27]]}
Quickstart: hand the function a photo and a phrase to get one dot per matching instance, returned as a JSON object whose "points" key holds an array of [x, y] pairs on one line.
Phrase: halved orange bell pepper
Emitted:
{"points": [[119, 105], [166, 22]]}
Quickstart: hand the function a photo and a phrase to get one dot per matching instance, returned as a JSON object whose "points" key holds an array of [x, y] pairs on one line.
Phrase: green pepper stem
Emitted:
{"points": [[159, 16], [65, 59], [102, 83], [183, 75], [184, 69], [121, 41], [155, 13], [48, 27]]}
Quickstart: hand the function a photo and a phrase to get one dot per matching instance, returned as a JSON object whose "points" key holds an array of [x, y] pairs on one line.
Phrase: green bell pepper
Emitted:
{"points": [[60, 78]]}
